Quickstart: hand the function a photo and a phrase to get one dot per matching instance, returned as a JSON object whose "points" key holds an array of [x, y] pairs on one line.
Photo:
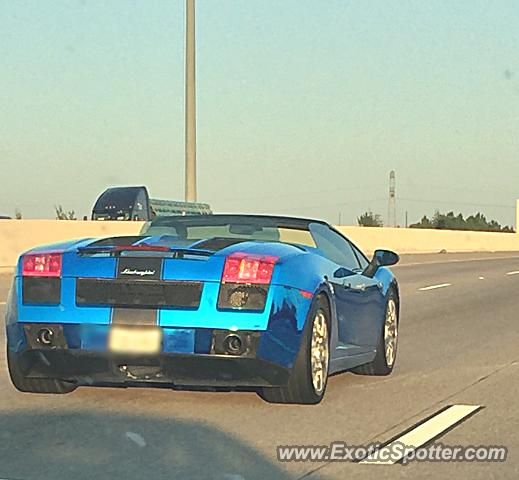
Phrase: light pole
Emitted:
{"points": [[190, 123]]}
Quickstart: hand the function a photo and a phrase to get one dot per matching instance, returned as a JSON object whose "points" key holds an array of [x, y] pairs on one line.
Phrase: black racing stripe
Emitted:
{"points": [[134, 316], [217, 243]]}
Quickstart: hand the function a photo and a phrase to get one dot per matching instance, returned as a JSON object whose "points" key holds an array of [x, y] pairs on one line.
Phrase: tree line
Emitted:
{"points": [[442, 221]]}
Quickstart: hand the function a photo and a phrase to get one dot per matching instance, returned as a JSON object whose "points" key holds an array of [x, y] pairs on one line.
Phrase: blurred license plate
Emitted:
{"points": [[139, 340]]}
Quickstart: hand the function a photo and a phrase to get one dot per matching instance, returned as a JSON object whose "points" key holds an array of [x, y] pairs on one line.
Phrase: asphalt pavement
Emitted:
{"points": [[459, 337]]}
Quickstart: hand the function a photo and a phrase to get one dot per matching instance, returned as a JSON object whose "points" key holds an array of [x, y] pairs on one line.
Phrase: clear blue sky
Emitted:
{"points": [[303, 106]]}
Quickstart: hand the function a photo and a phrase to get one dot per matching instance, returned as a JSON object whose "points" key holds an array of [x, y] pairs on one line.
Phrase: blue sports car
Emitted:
{"points": [[270, 304]]}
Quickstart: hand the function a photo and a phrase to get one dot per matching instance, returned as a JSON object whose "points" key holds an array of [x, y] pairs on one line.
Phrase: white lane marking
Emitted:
{"points": [[515, 272], [2, 303], [136, 438], [433, 287], [481, 278], [420, 435]]}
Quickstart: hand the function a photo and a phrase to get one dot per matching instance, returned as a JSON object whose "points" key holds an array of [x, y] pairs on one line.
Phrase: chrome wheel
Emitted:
{"points": [[319, 352], [391, 332]]}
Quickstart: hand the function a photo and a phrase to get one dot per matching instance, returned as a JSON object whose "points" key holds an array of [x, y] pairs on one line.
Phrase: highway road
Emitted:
{"points": [[459, 344]]}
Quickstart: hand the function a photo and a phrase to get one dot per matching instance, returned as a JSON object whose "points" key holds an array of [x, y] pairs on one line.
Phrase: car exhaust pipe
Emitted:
{"points": [[44, 337], [233, 344]]}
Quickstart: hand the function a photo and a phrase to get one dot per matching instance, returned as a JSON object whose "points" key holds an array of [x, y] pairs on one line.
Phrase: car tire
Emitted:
{"points": [[304, 385], [384, 361], [34, 385]]}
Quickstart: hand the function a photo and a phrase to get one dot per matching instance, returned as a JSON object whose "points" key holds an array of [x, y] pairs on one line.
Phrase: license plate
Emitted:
{"points": [[136, 340]]}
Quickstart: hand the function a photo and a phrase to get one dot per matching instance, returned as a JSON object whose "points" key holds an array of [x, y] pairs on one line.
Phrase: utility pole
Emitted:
{"points": [[190, 123], [391, 204]]}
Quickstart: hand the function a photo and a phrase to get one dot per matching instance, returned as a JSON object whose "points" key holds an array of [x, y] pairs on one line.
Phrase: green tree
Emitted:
{"points": [[450, 221], [62, 215], [370, 219], [423, 223]]}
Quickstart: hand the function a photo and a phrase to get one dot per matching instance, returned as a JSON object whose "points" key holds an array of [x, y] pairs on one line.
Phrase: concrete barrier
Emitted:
{"points": [[17, 236], [417, 240]]}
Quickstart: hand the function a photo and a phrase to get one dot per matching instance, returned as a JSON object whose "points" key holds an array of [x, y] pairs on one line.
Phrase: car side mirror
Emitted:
{"points": [[381, 258], [385, 258]]}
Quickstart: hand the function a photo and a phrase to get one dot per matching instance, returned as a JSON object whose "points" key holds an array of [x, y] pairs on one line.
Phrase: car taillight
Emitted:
{"points": [[245, 281], [247, 268], [41, 265]]}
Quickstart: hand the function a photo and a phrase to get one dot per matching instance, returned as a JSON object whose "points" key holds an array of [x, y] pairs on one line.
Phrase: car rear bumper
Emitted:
{"points": [[199, 370], [188, 357]]}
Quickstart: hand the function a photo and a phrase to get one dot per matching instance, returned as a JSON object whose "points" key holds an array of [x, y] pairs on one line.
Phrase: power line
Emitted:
{"points": [[456, 189], [455, 202], [302, 194], [329, 205]]}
